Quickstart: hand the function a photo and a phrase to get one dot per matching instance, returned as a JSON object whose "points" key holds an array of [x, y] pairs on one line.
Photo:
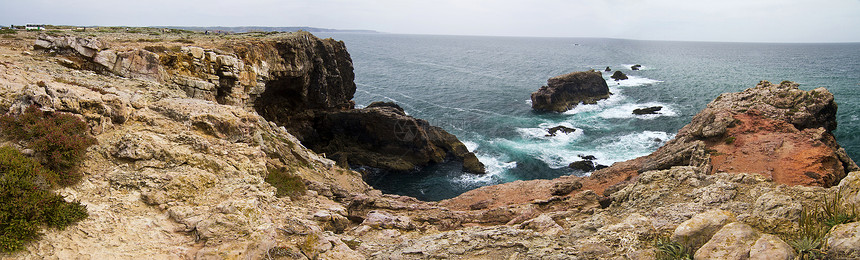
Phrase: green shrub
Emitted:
{"points": [[671, 250], [730, 140], [286, 183], [59, 139], [27, 203], [8, 31], [816, 221]]}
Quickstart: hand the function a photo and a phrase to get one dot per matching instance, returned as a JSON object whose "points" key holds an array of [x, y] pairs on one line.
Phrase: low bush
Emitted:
{"points": [[286, 183], [26, 202], [59, 139]]}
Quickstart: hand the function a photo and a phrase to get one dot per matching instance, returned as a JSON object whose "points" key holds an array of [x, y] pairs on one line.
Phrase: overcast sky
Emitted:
{"points": [[689, 20]]}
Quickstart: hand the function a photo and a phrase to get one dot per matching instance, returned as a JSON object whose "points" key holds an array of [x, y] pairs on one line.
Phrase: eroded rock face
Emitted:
{"points": [[779, 131], [301, 82], [566, 91], [383, 136]]}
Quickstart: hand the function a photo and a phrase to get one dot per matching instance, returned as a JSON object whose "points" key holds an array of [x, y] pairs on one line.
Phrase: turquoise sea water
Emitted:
{"points": [[478, 89]]}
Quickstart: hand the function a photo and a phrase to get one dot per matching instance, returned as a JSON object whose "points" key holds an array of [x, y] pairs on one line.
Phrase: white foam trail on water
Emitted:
{"points": [[626, 111], [541, 133], [629, 67], [495, 166], [613, 100], [620, 148], [632, 81], [471, 146]]}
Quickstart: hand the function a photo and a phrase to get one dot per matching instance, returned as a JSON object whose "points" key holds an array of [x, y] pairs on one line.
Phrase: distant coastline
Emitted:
{"points": [[244, 29]]}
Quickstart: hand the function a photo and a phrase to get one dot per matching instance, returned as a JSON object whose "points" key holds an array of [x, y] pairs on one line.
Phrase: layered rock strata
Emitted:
{"points": [[301, 82], [566, 91]]}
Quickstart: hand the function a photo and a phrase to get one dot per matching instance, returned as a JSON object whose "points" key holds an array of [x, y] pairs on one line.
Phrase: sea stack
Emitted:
{"points": [[566, 91]]}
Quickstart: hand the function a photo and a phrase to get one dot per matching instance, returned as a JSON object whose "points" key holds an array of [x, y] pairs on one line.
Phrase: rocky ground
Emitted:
{"points": [[180, 166]]}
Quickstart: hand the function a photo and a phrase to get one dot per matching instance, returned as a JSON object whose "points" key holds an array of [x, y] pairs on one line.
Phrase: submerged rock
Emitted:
{"points": [[635, 67], [566, 91], [647, 110], [563, 129], [618, 75]]}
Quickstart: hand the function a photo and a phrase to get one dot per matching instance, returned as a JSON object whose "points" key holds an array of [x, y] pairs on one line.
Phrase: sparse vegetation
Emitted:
{"points": [[187, 41], [730, 140], [286, 183], [27, 203], [8, 31], [816, 221], [671, 250], [59, 139]]}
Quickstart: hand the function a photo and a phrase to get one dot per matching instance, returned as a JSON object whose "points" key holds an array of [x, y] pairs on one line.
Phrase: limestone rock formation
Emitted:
{"points": [[778, 131], [566, 91], [383, 136], [300, 82]]}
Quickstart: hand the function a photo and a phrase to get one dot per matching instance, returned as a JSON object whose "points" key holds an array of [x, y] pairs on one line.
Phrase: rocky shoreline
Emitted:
{"points": [[185, 147]]}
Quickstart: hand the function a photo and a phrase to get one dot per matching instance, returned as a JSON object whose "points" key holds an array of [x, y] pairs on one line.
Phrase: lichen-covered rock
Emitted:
{"points": [[698, 230], [771, 247], [844, 241], [733, 241], [566, 91]]}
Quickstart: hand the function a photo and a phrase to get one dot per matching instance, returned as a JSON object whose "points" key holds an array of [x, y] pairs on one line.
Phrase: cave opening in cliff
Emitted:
{"points": [[282, 96], [225, 88]]}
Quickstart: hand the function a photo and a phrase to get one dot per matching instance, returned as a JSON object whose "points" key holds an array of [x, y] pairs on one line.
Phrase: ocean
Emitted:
{"points": [[478, 88]]}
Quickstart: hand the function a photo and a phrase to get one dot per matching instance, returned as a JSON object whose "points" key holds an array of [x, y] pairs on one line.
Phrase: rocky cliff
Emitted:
{"points": [[300, 82], [177, 173]]}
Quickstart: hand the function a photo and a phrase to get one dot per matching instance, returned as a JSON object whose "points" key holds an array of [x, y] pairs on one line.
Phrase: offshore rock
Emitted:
{"points": [[618, 75], [647, 110], [566, 91], [563, 129]]}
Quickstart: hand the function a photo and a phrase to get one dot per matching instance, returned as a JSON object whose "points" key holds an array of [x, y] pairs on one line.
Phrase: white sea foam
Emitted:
{"points": [[625, 147], [626, 111], [613, 100], [495, 166], [471, 145], [541, 133], [632, 81]]}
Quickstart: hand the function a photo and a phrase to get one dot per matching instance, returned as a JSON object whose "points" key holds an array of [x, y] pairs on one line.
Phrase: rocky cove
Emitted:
{"points": [[188, 133]]}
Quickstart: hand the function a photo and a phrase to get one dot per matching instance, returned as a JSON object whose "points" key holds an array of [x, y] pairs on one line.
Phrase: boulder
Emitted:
{"points": [[771, 247], [584, 165], [563, 129], [635, 67], [697, 230], [565, 187], [618, 75], [733, 241], [607, 69], [385, 220], [566, 91], [647, 110], [844, 241]]}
